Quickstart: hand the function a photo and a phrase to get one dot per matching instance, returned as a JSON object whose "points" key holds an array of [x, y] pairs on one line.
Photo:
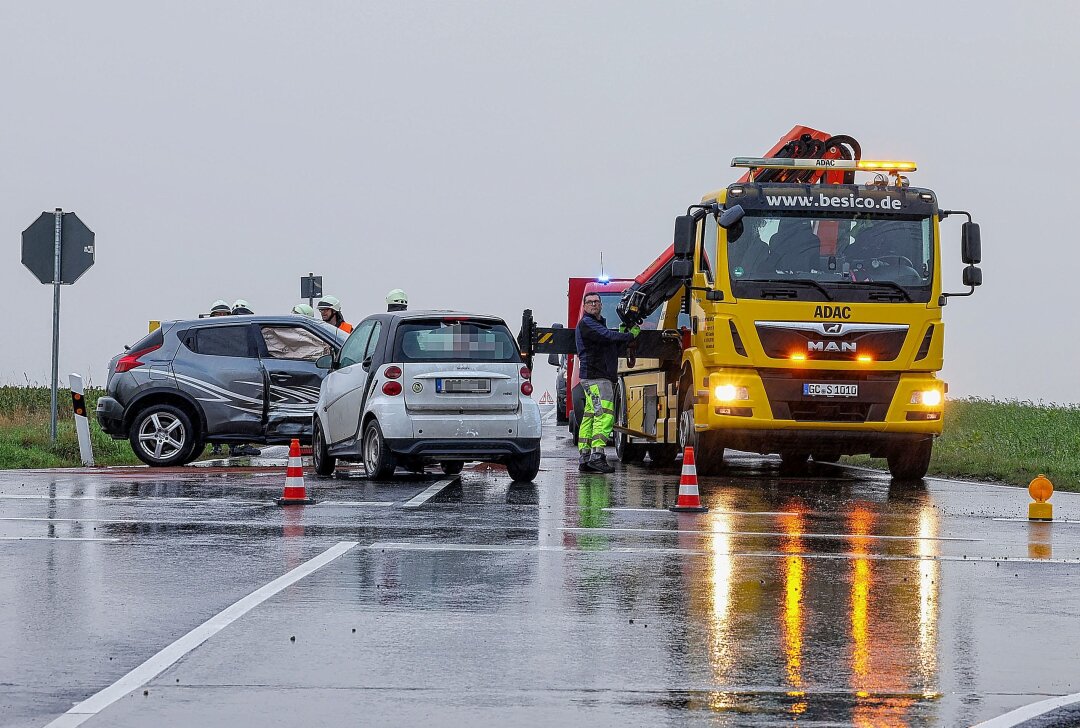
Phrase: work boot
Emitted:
{"points": [[583, 461], [598, 463], [242, 451]]}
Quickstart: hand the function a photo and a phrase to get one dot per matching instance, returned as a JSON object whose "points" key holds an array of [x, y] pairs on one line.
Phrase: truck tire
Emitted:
{"points": [[708, 448], [324, 463], [910, 462], [162, 435], [628, 452], [379, 462], [523, 468]]}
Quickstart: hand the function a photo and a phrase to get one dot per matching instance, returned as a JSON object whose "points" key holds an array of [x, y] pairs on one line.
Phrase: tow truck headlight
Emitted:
{"points": [[928, 397], [730, 393]]}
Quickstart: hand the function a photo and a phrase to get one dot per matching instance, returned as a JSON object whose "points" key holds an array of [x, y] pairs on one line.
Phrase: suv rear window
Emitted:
{"points": [[454, 340], [220, 341]]}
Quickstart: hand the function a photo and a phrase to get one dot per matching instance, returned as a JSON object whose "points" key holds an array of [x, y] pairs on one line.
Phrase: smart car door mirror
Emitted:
{"points": [[366, 364]]}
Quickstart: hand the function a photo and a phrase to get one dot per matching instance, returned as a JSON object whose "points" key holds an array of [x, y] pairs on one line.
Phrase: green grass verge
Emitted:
{"points": [[1007, 442], [24, 431]]}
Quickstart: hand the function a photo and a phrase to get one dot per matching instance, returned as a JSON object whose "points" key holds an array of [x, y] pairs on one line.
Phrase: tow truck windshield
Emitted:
{"points": [[831, 257]]}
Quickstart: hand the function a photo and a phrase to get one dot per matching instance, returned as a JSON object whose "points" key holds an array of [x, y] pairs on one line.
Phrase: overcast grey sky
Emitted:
{"points": [[479, 153]]}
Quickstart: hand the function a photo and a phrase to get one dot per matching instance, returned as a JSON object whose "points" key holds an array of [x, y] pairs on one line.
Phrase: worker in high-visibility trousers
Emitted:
{"points": [[598, 366]]}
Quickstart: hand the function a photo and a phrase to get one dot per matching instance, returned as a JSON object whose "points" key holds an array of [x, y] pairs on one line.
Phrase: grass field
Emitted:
{"points": [[1003, 441], [1006, 441]]}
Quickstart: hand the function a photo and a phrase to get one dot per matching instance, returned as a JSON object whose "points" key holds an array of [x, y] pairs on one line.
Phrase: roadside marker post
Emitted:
{"points": [[82, 424]]}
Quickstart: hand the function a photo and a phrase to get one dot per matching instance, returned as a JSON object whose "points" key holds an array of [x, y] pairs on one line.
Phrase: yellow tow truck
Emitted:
{"points": [[815, 308]]}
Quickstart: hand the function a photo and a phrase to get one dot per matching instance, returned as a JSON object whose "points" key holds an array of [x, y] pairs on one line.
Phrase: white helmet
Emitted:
{"points": [[304, 310], [330, 302], [241, 306], [397, 297], [219, 307]]}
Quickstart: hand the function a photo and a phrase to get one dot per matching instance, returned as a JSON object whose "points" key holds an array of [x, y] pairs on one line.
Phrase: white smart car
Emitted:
{"points": [[412, 388]]}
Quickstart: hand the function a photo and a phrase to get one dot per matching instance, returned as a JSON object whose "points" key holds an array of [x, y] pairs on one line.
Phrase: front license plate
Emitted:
{"points": [[463, 386], [830, 390]]}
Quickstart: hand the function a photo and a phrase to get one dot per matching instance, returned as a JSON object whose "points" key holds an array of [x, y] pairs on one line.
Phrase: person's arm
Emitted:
{"points": [[593, 329]]}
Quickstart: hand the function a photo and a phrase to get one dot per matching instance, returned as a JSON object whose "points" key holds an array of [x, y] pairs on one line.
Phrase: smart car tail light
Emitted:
{"points": [[526, 373], [526, 388], [392, 372], [130, 361], [392, 388]]}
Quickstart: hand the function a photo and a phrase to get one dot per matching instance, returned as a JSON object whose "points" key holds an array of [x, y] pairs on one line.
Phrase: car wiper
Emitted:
{"points": [[805, 282], [890, 284]]}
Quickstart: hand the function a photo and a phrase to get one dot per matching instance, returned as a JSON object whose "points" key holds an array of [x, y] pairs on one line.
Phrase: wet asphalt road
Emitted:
{"points": [[834, 598]]}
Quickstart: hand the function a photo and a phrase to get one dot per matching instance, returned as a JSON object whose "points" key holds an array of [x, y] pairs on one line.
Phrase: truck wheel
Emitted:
{"points": [[523, 468], [324, 463], [708, 449], [379, 462], [910, 462], [162, 435], [628, 452], [451, 467]]}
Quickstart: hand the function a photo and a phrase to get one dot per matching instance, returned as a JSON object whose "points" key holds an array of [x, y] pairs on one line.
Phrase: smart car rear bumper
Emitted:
{"points": [[444, 449]]}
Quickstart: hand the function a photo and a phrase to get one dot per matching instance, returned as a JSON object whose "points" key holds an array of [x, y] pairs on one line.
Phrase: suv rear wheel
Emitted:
{"points": [[523, 468], [162, 435], [379, 462]]}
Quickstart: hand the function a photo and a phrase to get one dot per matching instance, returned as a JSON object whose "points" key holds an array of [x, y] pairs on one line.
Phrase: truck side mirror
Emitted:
{"points": [[729, 217], [685, 236], [972, 275], [971, 243], [682, 269]]}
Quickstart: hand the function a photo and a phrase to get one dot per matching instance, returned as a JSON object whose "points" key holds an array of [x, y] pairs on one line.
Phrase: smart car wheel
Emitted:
{"points": [[324, 463], [162, 435], [523, 468], [378, 460]]}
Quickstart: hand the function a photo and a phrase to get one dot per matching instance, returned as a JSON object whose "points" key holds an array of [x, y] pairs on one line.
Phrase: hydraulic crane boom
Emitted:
{"points": [[669, 273]]}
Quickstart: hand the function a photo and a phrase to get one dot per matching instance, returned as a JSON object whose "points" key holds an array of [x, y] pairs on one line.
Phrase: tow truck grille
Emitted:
{"points": [[785, 391]]}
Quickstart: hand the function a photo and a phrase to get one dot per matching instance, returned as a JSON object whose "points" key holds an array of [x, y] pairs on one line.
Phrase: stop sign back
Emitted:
{"points": [[76, 248]]}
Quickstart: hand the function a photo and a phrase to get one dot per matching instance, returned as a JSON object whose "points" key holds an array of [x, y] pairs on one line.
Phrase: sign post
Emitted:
{"points": [[311, 288], [57, 248]]}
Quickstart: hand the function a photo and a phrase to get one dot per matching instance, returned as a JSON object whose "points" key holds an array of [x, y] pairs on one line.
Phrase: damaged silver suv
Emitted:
{"points": [[231, 379]]}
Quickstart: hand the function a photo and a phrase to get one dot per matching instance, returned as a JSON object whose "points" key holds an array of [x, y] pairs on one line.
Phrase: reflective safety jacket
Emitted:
{"points": [[345, 326], [598, 348]]}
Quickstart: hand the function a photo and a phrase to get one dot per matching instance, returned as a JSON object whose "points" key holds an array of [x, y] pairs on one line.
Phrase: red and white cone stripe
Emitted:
{"points": [[689, 499], [295, 491]]}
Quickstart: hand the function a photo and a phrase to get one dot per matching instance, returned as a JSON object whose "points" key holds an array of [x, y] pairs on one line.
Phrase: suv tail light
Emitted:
{"points": [[392, 388], [131, 361], [526, 388]]}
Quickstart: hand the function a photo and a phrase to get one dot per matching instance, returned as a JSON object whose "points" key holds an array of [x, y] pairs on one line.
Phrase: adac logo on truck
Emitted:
{"points": [[832, 312]]}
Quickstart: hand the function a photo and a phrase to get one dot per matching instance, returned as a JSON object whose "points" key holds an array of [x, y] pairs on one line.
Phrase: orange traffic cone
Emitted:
{"points": [[689, 500], [295, 494]]}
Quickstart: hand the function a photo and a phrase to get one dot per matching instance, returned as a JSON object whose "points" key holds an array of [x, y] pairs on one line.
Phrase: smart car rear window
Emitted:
{"points": [[455, 340]]}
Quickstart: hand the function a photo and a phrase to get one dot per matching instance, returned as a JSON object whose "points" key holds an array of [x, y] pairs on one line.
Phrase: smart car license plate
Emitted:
{"points": [[830, 390], [463, 386]]}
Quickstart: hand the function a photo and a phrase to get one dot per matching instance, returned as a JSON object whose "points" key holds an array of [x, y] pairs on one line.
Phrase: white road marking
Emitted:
{"points": [[1027, 712], [56, 538], [430, 493], [724, 513], [157, 664], [1028, 520], [844, 536], [406, 546]]}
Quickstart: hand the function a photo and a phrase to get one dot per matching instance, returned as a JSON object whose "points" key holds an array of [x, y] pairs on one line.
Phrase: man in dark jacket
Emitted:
{"points": [[598, 366]]}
